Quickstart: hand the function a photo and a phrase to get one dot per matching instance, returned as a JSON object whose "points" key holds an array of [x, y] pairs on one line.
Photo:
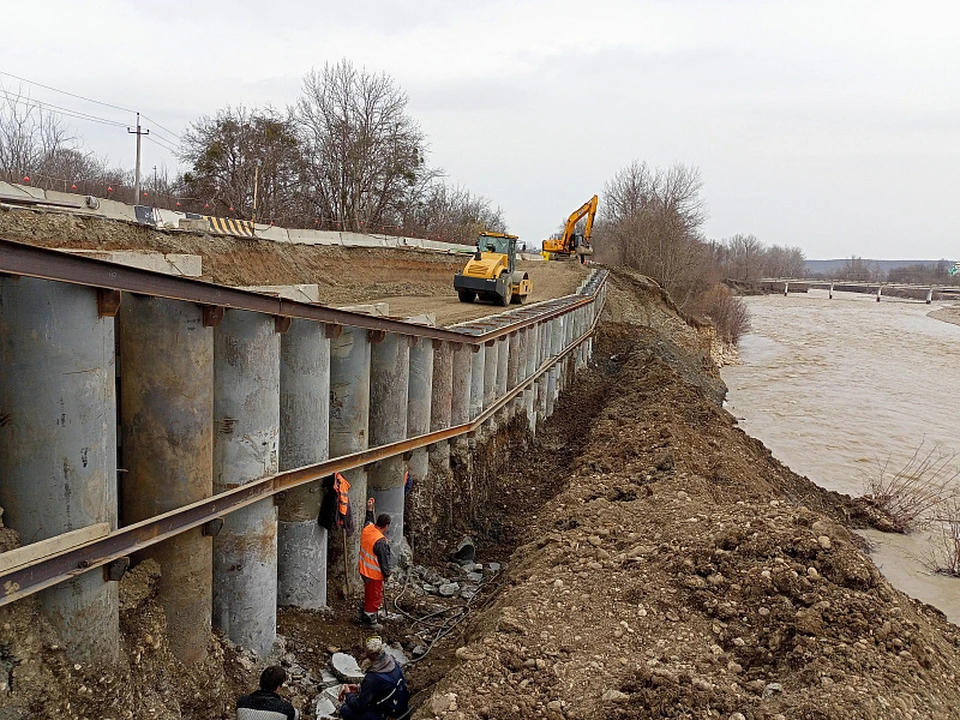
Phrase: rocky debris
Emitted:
{"points": [[466, 551], [470, 576], [345, 667], [327, 702], [396, 652], [683, 572], [324, 707], [448, 589]]}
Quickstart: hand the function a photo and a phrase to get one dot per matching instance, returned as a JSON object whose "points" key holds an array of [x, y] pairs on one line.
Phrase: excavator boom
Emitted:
{"points": [[570, 243]]}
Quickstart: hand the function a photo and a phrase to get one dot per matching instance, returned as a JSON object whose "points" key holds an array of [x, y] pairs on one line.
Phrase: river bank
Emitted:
{"points": [[659, 562], [948, 314], [684, 572]]}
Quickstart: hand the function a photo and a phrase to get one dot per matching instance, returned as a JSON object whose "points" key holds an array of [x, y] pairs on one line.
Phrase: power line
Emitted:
{"points": [[90, 100], [168, 130], [64, 92], [59, 110], [155, 141], [162, 136]]}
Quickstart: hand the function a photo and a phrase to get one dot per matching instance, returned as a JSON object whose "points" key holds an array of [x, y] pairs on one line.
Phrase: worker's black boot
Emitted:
{"points": [[369, 621]]}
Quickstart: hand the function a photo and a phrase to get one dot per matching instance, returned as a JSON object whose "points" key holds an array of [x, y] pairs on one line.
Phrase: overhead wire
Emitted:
{"points": [[160, 143], [59, 110], [165, 129], [65, 92], [91, 100]]}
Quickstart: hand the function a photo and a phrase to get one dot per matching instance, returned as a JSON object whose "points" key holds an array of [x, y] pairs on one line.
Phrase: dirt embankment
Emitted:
{"points": [[683, 572], [410, 281], [666, 566]]}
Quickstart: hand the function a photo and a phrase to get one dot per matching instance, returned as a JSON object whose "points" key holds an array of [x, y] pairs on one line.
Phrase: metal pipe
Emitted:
{"points": [[304, 440], [246, 414], [166, 417], [58, 445], [37, 575]]}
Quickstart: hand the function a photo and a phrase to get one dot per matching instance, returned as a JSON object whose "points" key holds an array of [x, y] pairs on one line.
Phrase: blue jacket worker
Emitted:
{"points": [[382, 694]]}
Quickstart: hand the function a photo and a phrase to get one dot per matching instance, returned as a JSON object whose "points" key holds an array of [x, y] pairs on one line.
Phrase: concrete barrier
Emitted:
{"points": [[170, 263], [190, 222], [270, 232], [313, 237], [17, 190], [309, 293]]}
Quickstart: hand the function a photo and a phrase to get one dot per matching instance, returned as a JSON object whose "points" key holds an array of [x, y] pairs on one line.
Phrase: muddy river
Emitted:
{"points": [[837, 388]]}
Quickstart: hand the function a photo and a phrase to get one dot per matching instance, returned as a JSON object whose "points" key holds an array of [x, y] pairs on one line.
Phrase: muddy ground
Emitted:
{"points": [[658, 562]]}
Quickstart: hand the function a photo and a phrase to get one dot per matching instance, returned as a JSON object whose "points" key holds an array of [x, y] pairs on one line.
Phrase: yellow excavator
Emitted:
{"points": [[572, 243], [491, 274]]}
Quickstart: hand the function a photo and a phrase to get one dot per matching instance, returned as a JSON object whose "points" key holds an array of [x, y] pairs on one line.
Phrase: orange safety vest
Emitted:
{"points": [[369, 566], [342, 488]]}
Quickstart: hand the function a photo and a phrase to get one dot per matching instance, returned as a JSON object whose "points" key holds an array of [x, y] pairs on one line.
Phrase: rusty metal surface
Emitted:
{"points": [[32, 261]]}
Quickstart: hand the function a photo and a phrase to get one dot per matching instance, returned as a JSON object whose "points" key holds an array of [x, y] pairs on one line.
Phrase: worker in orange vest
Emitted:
{"points": [[374, 564]]}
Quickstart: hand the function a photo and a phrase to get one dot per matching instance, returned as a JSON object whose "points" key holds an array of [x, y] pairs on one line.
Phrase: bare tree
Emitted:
{"points": [[366, 155], [35, 143], [650, 221], [239, 154], [451, 213], [745, 257], [858, 269]]}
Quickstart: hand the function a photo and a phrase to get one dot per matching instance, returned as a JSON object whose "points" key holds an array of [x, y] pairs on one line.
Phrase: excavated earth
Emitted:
{"points": [[658, 562]]}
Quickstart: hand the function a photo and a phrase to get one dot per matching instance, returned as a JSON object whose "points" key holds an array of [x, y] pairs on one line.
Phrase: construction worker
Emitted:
{"points": [[374, 565], [382, 694], [265, 703]]}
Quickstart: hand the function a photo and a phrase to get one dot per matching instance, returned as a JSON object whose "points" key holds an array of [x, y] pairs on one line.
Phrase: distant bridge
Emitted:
{"points": [[929, 292]]}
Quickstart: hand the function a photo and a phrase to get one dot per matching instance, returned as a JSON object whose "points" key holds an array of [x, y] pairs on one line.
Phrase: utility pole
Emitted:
{"points": [[155, 183], [256, 184], [139, 133]]}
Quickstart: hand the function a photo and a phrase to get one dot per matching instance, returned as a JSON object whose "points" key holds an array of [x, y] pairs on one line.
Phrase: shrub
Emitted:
{"points": [[945, 555], [917, 492], [727, 311]]}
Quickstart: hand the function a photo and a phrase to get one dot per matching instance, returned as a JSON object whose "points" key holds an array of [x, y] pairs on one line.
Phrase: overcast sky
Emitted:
{"points": [[833, 126]]}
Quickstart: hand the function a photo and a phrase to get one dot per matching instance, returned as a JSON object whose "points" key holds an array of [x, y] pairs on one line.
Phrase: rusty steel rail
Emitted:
{"points": [[46, 264], [55, 568]]}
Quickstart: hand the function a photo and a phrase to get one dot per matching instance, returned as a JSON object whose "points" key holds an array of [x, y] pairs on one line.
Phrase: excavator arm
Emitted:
{"points": [[567, 243], [588, 210]]}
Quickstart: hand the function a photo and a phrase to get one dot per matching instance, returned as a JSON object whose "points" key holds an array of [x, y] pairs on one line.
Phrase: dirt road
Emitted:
{"points": [[410, 281]]}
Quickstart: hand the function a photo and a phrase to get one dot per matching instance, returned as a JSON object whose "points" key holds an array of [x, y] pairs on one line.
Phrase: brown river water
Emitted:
{"points": [[835, 388]]}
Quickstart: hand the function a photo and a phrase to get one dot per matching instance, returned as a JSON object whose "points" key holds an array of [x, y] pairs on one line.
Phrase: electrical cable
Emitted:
{"points": [[59, 110], [64, 92], [162, 144], [90, 100], [165, 129], [445, 628]]}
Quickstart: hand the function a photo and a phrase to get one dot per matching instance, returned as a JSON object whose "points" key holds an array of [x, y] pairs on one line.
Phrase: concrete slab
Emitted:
{"points": [[169, 219], [116, 210], [170, 263], [13, 190], [380, 309], [193, 224], [345, 667], [16, 189], [313, 237], [301, 293], [271, 232], [357, 240], [63, 198]]}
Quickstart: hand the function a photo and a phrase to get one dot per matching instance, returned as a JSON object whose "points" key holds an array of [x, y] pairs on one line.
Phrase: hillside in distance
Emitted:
{"points": [[828, 268]]}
